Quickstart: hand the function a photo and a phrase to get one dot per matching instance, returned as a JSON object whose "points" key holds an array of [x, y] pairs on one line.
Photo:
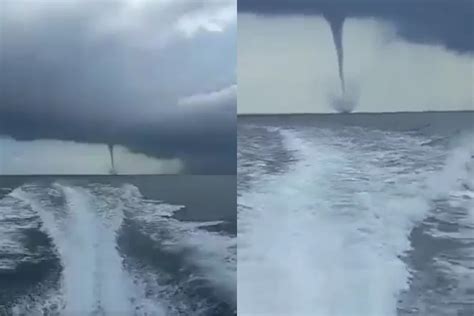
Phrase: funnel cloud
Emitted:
{"points": [[112, 164], [336, 23], [342, 103]]}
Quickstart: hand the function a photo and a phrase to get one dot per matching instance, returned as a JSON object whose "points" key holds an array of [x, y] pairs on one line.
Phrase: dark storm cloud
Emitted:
{"points": [[115, 72], [446, 22]]}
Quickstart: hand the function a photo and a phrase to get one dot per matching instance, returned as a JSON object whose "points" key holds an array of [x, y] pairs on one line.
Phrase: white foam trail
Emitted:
{"points": [[93, 278], [326, 237], [214, 254], [453, 188], [455, 184], [83, 222], [458, 170]]}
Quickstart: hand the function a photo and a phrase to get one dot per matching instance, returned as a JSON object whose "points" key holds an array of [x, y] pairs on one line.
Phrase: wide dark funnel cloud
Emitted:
{"points": [[116, 72]]}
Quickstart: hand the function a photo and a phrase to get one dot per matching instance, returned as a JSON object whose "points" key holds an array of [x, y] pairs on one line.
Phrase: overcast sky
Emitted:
{"points": [[156, 77], [398, 55]]}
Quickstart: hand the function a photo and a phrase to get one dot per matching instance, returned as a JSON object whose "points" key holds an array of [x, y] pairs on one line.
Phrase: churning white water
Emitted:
{"points": [[84, 224], [93, 281], [328, 236]]}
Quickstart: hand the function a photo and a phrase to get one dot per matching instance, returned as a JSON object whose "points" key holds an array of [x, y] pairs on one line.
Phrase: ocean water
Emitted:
{"points": [[356, 215], [121, 245]]}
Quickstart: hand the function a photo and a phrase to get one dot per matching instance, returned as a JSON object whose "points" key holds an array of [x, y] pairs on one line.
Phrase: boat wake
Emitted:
{"points": [[331, 235], [91, 270]]}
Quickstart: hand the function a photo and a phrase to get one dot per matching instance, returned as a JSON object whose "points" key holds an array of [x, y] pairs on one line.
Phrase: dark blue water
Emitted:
{"points": [[145, 245]]}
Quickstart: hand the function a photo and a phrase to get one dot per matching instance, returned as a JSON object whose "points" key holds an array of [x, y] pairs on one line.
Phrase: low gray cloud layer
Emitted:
{"points": [[155, 76], [446, 22]]}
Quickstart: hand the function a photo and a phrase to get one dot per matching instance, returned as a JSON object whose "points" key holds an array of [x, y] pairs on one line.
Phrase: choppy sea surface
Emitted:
{"points": [[356, 214], [131, 245]]}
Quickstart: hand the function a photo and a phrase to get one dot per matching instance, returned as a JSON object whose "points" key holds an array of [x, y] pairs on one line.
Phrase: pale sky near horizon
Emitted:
{"points": [[68, 157]]}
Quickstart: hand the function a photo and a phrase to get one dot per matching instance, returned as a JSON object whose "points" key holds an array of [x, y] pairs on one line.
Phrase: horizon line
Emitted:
{"points": [[353, 113]]}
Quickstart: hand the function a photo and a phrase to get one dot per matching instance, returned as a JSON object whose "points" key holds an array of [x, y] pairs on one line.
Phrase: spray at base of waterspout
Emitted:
{"points": [[343, 104]]}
